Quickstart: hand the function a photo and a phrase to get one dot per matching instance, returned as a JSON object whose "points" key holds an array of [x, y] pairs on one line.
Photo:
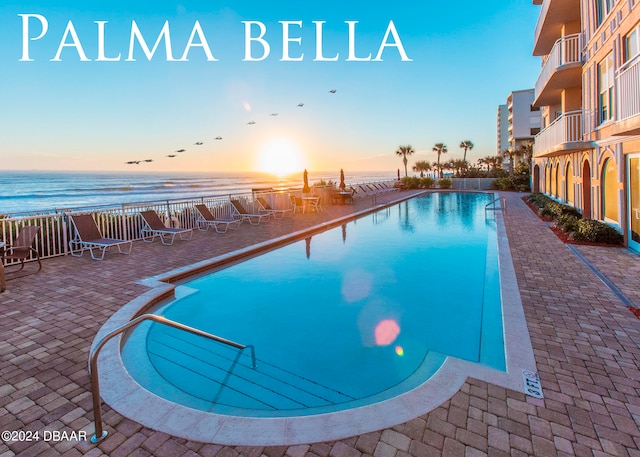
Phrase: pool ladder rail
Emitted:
{"points": [[491, 206], [99, 433]]}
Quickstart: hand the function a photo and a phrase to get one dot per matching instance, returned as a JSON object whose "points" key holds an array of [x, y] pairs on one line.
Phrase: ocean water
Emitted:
{"points": [[48, 191]]}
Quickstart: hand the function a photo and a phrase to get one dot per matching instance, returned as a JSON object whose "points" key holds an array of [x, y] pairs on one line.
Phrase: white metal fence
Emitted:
{"points": [[124, 221], [472, 183]]}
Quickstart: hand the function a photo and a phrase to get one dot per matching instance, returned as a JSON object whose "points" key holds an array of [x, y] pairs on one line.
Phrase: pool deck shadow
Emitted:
{"points": [[586, 345]]}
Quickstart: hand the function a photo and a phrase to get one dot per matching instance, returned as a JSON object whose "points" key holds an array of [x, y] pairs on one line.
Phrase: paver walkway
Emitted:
{"points": [[586, 343]]}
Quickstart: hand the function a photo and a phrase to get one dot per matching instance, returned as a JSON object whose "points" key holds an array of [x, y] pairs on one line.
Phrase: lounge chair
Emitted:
{"points": [[276, 213], [206, 220], [153, 227], [87, 236], [20, 250], [244, 215]]}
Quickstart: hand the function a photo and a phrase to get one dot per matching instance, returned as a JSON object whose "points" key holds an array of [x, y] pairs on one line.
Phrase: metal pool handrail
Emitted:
{"points": [[100, 434], [502, 207]]}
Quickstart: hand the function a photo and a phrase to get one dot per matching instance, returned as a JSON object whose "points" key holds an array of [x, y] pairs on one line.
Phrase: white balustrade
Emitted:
{"points": [[566, 50], [627, 87], [567, 128]]}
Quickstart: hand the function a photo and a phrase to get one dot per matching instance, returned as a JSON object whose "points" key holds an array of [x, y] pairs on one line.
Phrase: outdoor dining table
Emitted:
{"points": [[3, 281], [313, 202], [345, 195]]}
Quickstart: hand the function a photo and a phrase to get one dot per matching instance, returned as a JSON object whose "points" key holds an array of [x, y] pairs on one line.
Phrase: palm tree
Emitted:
{"points": [[459, 165], [466, 144], [511, 154], [421, 166], [405, 151], [440, 148], [526, 151]]}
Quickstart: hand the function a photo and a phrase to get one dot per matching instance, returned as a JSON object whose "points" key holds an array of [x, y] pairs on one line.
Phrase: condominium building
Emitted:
{"points": [[518, 122], [588, 151], [524, 118], [502, 139]]}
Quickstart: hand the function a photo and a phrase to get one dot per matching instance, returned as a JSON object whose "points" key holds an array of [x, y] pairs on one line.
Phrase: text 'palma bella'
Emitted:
{"points": [[256, 47]]}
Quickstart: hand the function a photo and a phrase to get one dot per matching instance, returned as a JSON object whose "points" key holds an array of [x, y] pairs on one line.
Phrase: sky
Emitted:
{"points": [[68, 102]]}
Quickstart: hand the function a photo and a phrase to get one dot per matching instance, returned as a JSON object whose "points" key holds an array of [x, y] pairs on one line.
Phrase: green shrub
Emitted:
{"points": [[444, 183], [596, 232], [567, 223], [427, 182], [545, 211], [537, 199], [411, 182], [503, 183]]}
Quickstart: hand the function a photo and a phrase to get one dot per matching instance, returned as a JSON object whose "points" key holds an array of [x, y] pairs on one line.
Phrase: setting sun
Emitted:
{"points": [[280, 157]]}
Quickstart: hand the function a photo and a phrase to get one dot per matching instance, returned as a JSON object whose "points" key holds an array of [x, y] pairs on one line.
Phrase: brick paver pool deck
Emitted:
{"points": [[586, 343]]}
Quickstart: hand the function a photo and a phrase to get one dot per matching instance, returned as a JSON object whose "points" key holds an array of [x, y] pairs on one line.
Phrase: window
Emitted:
{"points": [[632, 44], [605, 88], [534, 108], [603, 8], [610, 191], [568, 191], [535, 131]]}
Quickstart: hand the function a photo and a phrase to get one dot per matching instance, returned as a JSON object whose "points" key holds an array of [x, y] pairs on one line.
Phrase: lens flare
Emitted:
{"points": [[399, 351], [386, 332], [356, 285]]}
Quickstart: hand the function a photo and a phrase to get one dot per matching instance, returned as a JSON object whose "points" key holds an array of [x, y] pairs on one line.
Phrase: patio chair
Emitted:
{"points": [[244, 215], [312, 203], [276, 213], [87, 236], [296, 204], [20, 250], [154, 227], [206, 220]]}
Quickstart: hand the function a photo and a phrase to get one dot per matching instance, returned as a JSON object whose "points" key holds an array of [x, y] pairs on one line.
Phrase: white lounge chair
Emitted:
{"points": [[243, 215], [154, 227], [206, 220], [87, 236], [276, 213]]}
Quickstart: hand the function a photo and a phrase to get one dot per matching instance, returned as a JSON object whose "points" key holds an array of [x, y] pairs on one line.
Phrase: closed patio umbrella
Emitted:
{"points": [[342, 184], [305, 187]]}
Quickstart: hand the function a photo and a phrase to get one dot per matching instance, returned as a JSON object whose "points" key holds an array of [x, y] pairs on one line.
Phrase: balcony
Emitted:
{"points": [[562, 136], [627, 88], [562, 69], [553, 16]]}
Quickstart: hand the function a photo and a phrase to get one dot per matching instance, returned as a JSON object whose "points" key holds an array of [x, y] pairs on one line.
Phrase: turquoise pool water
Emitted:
{"points": [[352, 316]]}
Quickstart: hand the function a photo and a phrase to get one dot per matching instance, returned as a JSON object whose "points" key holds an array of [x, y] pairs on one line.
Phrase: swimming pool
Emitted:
{"points": [[126, 395], [352, 316]]}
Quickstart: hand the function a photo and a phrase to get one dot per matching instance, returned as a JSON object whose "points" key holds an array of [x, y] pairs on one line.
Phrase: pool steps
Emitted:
{"points": [[226, 377]]}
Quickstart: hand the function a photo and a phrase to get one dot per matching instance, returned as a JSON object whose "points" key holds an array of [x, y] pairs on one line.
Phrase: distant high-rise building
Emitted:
{"points": [[522, 122], [503, 129]]}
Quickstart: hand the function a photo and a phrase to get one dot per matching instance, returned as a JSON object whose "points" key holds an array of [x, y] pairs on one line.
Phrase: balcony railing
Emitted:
{"points": [[628, 89], [567, 128], [543, 13], [567, 50]]}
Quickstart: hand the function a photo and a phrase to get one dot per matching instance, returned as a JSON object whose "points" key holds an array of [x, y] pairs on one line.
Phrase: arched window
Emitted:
{"points": [[568, 183], [610, 191], [547, 179]]}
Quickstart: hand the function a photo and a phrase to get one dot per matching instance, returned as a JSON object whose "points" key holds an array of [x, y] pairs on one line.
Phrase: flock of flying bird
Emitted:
{"points": [[200, 143]]}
